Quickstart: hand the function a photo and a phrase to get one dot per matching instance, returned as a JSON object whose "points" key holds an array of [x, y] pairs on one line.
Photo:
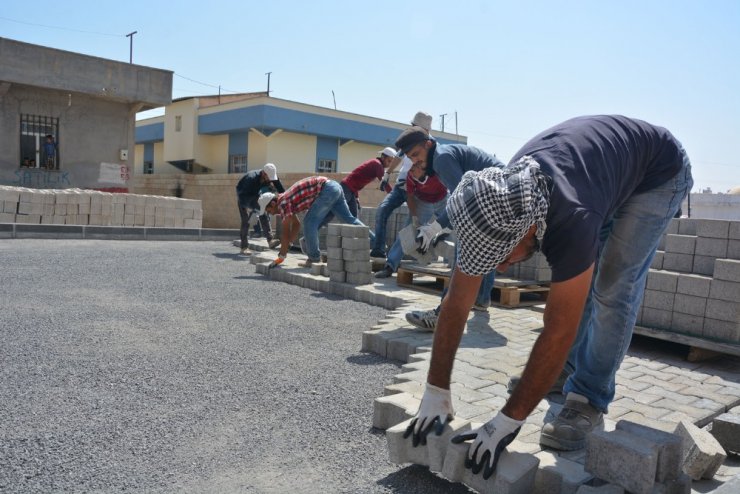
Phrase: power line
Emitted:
{"points": [[62, 28], [215, 86]]}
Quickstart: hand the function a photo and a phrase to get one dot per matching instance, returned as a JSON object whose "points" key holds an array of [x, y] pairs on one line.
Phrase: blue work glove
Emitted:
{"points": [[490, 440], [435, 411]]}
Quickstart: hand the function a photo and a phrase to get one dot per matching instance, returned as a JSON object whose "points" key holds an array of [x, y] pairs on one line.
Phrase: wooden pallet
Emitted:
{"points": [[507, 292]]}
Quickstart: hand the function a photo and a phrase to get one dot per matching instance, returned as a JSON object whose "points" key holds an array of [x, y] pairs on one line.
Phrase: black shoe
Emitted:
{"points": [[379, 254], [386, 272]]}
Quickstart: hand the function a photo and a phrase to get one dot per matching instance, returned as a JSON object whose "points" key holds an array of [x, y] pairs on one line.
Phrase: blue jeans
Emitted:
{"points": [[629, 240], [424, 212], [390, 203], [352, 203], [330, 200]]}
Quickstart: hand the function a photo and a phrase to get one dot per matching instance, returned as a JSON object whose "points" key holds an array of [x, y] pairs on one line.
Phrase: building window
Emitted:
{"points": [[238, 163], [148, 168], [178, 123], [327, 166], [39, 142]]}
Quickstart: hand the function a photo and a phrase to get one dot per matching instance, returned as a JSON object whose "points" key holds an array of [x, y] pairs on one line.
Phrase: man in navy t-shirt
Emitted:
{"points": [[595, 194]]}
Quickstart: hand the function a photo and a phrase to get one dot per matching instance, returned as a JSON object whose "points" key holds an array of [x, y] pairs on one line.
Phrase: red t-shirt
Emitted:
{"points": [[364, 174], [433, 190]]}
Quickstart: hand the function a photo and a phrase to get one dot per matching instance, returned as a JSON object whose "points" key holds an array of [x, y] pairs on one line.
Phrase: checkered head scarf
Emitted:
{"points": [[492, 210]]}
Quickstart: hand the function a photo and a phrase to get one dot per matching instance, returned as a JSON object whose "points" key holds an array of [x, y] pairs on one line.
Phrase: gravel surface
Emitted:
{"points": [[174, 367]]}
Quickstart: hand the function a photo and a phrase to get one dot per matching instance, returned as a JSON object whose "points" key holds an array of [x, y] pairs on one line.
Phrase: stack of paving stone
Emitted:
{"points": [[91, 207], [348, 254], [693, 286]]}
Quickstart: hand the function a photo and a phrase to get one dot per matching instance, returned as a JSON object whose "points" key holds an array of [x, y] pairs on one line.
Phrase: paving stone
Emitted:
{"points": [[657, 262], [680, 244], [727, 270], [703, 455], [678, 262], [393, 409], [688, 304], [726, 430], [558, 475], [664, 281], [334, 253], [686, 226], [722, 310], [356, 243], [334, 230], [733, 249], [703, 265], [725, 290], [721, 330], [333, 242], [693, 284], [361, 267], [712, 228], [711, 247], [602, 489], [355, 231], [402, 451], [655, 299], [356, 255], [317, 269], [670, 448], [623, 459], [358, 278], [515, 472], [337, 276], [688, 324], [681, 485]]}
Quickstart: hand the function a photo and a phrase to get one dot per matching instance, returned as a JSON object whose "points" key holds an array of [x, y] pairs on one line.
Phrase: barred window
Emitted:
{"points": [[238, 163], [39, 142], [326, 166]]}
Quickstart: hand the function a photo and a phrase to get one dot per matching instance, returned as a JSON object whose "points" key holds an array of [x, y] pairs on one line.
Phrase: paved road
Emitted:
{"points": [[173, 367]]}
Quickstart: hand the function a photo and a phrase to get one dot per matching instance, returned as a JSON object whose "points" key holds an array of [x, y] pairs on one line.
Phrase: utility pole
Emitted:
{"points": [[268, 82], [443, 121], [130, 36]]}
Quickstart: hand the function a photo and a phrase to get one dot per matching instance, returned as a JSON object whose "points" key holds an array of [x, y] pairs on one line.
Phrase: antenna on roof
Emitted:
{"points": [[335, 99], [268, 82]]}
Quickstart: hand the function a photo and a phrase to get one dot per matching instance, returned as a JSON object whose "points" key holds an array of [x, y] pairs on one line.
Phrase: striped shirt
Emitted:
{"points": [[300, 196]]}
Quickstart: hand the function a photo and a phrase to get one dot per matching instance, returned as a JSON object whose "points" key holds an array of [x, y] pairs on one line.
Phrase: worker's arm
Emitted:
{"points": [[411, 203], [288, 233], [565, 303]]}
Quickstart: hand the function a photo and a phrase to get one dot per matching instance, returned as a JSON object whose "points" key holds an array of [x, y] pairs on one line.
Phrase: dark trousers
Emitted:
{"points": [[246, 215]]}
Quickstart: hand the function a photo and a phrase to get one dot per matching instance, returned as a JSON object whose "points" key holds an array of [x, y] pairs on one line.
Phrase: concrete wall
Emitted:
{"points": [[353, 154], [714, 206], [213, 152], [256, 150], [291, 153], [182, 144]]}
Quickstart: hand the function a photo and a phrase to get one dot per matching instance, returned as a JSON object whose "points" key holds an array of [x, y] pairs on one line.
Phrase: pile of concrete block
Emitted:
{"points": [[726, 429], [535, 268], [640, 459], [91, 207], [702, 453], [348, 254]]}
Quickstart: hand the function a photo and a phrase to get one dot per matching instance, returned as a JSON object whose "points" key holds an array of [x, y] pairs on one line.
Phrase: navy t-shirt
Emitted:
{"points": [[596, 163]]}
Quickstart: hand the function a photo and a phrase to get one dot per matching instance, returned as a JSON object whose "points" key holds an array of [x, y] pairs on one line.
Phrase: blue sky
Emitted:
{"points": [[509, 69]]}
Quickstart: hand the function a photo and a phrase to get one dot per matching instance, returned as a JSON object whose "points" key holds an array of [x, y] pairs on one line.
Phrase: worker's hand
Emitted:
{"points": [[385, 181], [427, 233], [490, 440], [441, 236], [434, 412], [276, 262]]}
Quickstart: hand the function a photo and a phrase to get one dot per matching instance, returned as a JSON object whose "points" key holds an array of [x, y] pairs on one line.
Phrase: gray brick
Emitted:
{"points": [[355, 231], [402, 451], [358, 278], [686, 226], [712, 247], [687, 323], [664, 281], [337, 276], [721, 330], [657, 260], [733, 249], [723, 310], [393, 409], [334, 253], [335, 265], [334, 229], [673, 227], [693, 284], [681, 485], [333, 241], [557, 474], [727, 270], [680, 244], [656, 318], [734, 230], [725, 290], [726, 430], [356, 243], [357, 266], [601, 489], [623, 459], [356, 255], [678, 262], [703, 265], [655, 299], [670, 448], [688, 304], [703, 455], [712, 228], [515, 472]]}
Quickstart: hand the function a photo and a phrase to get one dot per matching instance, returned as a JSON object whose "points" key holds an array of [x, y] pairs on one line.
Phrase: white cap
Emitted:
{"points": [[265, 199], [389, 151], [423, 120], [270, 170]]}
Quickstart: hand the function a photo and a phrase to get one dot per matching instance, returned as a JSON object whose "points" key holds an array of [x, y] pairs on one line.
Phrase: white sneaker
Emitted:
{"points": [[424, 319]]}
